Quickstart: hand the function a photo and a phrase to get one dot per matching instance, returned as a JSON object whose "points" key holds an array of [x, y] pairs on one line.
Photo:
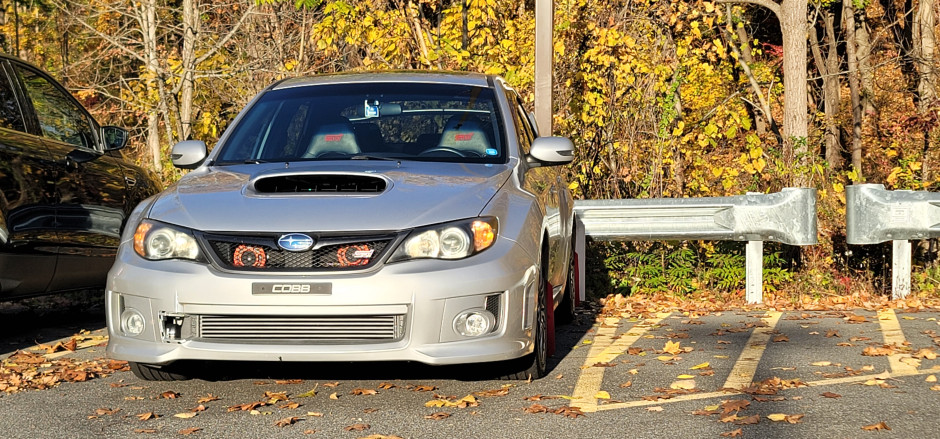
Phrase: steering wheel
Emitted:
{"points": [[446, 149]]}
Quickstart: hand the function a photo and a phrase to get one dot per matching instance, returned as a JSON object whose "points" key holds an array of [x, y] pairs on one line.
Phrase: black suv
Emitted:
{"points": [[65, 191]]}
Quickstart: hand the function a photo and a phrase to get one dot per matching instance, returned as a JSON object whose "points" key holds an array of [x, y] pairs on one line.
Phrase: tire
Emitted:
{"points": [[534, 365], [565, 312], [147, 372]]}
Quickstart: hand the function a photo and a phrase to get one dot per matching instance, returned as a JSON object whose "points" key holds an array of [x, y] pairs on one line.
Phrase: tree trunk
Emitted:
{"points": [[925, 43], [760, 117], [851, 55], [147, 18], [792, 14], [188, 59], [831, 93]]}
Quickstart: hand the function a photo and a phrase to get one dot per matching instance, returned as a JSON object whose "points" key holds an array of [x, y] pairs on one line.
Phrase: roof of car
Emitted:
{"points": [[410, 76]]}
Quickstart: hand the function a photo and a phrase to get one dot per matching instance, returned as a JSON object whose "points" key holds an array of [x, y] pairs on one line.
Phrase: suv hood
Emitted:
{"points": [[225, 199]]}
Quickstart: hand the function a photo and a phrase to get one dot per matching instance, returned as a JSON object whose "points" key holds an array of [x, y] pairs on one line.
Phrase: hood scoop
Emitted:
{"points": [[321, 184]]}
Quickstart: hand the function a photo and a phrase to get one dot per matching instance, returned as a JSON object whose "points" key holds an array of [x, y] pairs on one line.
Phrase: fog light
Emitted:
{"points": [[132, 322], [474, 323]]}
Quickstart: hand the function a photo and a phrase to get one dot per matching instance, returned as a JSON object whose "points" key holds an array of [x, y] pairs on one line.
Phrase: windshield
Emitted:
{"points": [[399, 121]]}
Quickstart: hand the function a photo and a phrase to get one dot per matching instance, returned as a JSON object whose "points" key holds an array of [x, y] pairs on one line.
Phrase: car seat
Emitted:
{"points": [[334, 136], [465, 133]]}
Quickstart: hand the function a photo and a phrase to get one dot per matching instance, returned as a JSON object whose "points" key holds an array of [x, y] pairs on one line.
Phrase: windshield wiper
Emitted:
{"points": [[254, 161], [374, 157]]}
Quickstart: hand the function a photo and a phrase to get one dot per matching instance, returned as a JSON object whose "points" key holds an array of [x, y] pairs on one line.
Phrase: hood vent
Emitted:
{"points": [[320, 183]]}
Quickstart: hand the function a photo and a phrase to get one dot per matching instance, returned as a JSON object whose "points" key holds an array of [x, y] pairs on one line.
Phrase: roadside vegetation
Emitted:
{"points": [[663, 98]]}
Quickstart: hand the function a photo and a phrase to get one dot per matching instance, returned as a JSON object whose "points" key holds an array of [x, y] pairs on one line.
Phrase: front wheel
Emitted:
{"points": [[534, 365], [565, 313], [147, 372]]}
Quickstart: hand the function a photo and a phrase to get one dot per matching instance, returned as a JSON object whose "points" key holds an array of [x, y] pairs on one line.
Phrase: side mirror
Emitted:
{"points": [[551, 151], [115, 138], [189, 154]]}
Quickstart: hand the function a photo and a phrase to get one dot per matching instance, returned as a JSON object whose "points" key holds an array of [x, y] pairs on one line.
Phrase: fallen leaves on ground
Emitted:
{"points": [[246, 407], [780, 417], [185, 415], [733, 433], [492, 392], [540, 397], [364, 392], [569, 412], [208, 398], [437, 416], [28, 370], [873, 351], [147, 416], [287, 421], [356, 427], [781, 338], [59, 346], [875, 427], [672, 348], [925, 353], [831, 395], [169, 394], [466, 401], [273, 397], [771, 386], [189, 431]]}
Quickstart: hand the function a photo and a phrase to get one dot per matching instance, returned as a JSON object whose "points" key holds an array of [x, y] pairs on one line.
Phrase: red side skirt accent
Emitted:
{"points": [[550, 320]]}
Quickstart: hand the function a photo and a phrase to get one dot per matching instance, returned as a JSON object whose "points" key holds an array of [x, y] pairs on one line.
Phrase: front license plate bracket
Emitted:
{"points": [[291, 288]]}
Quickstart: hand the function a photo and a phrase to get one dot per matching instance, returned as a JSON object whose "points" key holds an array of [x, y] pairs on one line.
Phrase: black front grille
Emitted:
{"points": [[263, 253]]}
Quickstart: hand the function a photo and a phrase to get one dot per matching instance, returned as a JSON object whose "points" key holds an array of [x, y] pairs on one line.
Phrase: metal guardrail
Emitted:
{"points": [[874, 215], [788, 217]]}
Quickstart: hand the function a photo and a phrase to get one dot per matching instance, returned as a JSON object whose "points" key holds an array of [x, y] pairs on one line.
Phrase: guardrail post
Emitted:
{"points": [[900, 268], [754, 273]]}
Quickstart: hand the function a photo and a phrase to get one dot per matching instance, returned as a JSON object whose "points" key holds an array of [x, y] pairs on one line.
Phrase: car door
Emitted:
{"points": [[543, 182], [91, 184], [28, 241]]}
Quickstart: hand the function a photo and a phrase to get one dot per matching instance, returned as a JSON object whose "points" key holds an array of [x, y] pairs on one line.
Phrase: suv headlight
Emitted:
{"points": [[158, 241], [455, 240]]}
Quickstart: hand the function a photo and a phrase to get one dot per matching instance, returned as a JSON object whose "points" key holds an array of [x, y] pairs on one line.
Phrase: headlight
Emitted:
{"points": [[158, 241], [454, 240]]}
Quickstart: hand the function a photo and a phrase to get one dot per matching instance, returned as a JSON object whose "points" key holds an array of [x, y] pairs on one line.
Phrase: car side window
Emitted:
{"points": [[525, 133], [59, 116], [10, 116]]}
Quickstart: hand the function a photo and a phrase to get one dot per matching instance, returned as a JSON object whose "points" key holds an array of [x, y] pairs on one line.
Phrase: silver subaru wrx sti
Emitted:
{"points": [[354, 217]]}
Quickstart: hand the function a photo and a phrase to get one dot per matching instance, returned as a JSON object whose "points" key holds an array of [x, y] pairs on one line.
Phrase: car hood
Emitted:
{"points": [[226, 199]]}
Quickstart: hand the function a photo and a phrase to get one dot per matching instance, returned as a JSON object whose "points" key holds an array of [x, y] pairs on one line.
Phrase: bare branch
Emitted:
{"points": [[774, 7]]}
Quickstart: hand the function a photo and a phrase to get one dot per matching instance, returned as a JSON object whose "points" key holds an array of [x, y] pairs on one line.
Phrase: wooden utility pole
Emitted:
{"points": [[543, 65]]}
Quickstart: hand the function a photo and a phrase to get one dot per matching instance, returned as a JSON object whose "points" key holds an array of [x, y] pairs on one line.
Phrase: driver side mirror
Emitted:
{"points": [[551, 151], [114, 137]]}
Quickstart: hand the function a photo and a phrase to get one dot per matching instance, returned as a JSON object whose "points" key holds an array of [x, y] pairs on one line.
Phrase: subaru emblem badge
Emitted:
{"points": [[295, 242]]}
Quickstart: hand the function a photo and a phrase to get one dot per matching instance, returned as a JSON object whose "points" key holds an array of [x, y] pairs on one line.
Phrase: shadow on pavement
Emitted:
{"points": [[27, 322]]}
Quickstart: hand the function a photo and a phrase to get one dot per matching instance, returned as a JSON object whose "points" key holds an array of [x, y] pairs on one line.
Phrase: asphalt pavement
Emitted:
{"points": [[792, 374]]}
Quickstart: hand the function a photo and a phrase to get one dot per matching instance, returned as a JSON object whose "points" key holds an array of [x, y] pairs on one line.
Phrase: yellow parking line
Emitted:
{"points": [[720, 393], [605, 349], [891, 331], [744, 369]]}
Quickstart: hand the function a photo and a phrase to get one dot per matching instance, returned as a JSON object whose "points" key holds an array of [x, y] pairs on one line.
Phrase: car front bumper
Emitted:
{"points": [[194, 311]]}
